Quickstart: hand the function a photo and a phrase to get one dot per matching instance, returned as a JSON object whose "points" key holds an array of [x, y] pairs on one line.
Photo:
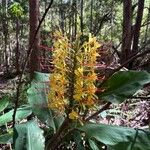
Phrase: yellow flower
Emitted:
{"points": [[78, 96], [93, 43], [73, 115], [89, 101], [80, 58], [91, 76], [79, 72], [57, 105], [78, 85], [91, 89]]}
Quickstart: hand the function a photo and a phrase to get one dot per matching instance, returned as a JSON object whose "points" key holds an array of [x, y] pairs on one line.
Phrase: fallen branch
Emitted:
{"points": [[139, 97], [105, 107]]}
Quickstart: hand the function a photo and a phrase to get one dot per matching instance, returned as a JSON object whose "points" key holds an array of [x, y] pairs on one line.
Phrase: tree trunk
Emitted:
{"points": [[137, 27], [69, 23], [34, 22], [75, 18], [5, 33], [126, 35], [17, 66], [81, 18], [147, 29], [91, 17], [61, 14]]}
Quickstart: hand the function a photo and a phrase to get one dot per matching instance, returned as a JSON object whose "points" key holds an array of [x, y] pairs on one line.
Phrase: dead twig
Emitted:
{"points": [[105, 107]]}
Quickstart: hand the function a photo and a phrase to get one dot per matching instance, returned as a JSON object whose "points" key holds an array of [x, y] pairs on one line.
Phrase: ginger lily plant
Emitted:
{"points": [[72, 83]]}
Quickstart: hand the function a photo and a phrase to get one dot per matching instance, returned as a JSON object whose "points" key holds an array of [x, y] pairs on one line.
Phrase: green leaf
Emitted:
{"points": [[4, 103], [28, 136], [37, 97], [78, 140], [93, 145], [6, 138], [16, 9], [96, 145], [123, 84], [20, 114], [116, 137]]}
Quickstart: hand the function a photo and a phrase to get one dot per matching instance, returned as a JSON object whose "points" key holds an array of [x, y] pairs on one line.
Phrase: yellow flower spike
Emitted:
{"points": [[73, 115], [58, 81], [74, 69], [90, 56]]}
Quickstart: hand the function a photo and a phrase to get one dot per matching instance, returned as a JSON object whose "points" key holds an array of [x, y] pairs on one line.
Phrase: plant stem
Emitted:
{"points": [[54, 141], [72, 80]]}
